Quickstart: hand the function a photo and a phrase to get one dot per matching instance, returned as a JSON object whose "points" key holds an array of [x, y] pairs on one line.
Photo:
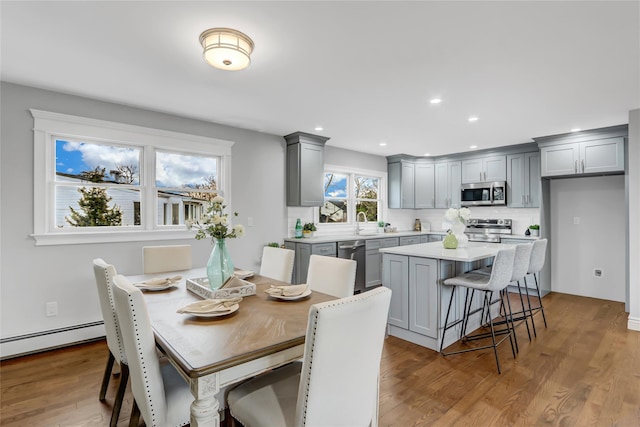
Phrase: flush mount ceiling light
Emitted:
{"points": [[226, 48]]}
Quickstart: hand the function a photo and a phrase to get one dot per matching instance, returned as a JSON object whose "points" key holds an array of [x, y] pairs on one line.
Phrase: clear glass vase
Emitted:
{"points": [[458, 228], [220, 265]]}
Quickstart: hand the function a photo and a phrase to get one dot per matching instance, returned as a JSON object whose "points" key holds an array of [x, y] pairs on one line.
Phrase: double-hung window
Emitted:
{"points": [[98, 181], [351, 197]]}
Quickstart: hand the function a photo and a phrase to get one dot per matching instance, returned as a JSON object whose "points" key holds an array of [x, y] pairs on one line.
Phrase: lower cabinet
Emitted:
{"points": [[373, 264], [414, 302], [304, 252], [419, 301]]}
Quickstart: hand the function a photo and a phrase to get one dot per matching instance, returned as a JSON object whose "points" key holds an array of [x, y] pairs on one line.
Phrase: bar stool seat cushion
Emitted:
{"points": [[470, 280]]}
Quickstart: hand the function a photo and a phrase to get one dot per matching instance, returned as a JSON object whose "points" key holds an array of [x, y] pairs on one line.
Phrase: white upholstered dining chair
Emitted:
{"points": [[104, 274], [332, 276], [159, 259], [277, 263], [161, 395], [337, 382]]}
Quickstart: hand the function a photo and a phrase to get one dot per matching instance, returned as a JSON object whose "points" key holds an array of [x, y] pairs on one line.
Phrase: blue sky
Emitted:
{"points": [[172, 169]]}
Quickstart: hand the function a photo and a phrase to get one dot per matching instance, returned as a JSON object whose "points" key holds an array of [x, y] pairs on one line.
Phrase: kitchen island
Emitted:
{"points": [[419, 302]]}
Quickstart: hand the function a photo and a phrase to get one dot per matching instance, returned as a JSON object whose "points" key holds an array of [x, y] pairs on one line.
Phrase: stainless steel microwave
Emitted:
{"points": [[484, 194]]}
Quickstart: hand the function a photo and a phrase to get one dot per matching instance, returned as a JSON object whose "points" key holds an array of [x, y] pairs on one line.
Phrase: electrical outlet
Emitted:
{"points": [[52, 309], [250, 221], [597, 272], [576, 220]]}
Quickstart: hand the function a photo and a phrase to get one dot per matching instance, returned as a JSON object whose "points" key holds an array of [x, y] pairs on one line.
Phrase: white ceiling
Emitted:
{"points": [[363, 70]]}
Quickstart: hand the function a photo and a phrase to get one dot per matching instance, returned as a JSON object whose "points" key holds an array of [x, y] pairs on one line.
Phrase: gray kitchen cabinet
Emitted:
{"points": [[409, 240], [423, 296], [424, 185], [396, 277], [586, 157], [305, 169], [434, 238], [414, 301], [373, 264], [424, 238], [303, 252], [401, 183], [523, 180], [484, 169], [447, 184]]}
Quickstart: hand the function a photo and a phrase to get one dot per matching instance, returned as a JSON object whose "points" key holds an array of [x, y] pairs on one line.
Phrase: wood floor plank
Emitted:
{"points": [[583, 370]]}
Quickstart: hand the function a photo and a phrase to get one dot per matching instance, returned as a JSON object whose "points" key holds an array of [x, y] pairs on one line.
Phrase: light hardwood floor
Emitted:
{"points": [[584, 370]]}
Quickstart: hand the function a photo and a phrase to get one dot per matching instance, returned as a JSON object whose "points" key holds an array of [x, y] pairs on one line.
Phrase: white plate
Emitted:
{"points": [[243, 274], [156, 288], [292, 298], [232, 309]]}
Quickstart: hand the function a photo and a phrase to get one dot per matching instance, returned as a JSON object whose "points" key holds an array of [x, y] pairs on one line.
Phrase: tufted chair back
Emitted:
{"points": [[277, 263], [341, 365], [140, 346], [332, 276], [104, 274]]}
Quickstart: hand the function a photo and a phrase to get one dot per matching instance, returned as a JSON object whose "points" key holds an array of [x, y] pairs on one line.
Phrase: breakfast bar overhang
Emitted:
{"points": [[415, 274]]}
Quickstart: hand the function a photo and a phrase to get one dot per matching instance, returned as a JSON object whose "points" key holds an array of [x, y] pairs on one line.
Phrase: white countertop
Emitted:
{"points": [[473, 252], [368, 235]]}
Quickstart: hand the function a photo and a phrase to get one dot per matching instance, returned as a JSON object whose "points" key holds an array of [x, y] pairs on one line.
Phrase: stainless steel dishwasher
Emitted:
{"points": [[355, 250]]}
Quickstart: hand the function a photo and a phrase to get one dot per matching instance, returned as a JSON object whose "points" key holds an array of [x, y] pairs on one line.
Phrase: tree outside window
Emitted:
{"points": [[346, 194]]}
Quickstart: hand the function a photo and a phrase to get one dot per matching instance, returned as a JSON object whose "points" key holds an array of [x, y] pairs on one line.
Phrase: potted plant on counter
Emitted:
{"points": [[534, 229], [308, 229]]}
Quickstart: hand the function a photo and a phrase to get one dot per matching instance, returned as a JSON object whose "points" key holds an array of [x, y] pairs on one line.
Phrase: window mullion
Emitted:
{"points": [[149, 208]]}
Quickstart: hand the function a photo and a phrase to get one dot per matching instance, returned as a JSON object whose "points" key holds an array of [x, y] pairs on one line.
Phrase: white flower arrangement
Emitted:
{"points": [[216, 223], [461, 215]]}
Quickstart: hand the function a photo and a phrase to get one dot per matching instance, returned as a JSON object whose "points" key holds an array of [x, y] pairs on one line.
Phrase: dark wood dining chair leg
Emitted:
{"points": [[117, 403], [134, 420], [106, 376]]}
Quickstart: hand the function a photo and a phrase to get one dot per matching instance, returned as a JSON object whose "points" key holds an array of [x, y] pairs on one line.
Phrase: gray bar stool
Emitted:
{"points": [[521, 265], [497, 281], [538, 255]]}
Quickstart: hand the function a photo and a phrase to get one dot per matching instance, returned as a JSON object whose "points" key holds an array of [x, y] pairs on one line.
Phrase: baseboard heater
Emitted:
{"points": [[22, 345]]}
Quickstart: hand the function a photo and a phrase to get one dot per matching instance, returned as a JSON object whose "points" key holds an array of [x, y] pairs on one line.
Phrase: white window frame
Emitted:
{"points": [[49, 126], [351, 201]]}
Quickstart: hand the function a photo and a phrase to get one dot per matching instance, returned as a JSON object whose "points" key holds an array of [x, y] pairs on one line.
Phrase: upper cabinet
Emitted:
{"points": [[523, 180], [305, 169], [590, 152], [484, 169], [411, 183], [447, 184], [424, 185]]}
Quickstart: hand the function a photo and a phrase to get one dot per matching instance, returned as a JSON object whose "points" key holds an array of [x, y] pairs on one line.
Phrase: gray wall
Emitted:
{"points": [[30, 276], [354, 159], [597, 242]]}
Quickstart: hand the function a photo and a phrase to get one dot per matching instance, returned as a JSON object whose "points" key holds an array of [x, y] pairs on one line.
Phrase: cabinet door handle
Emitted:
{"points": [[480, 176], [485, 176], [527, 199], [576, 166], [582, 166]]}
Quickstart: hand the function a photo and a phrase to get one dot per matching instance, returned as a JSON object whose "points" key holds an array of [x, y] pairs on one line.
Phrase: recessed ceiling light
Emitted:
{"points": [[427, 154], [473, 146], [436, 101], [576, 130], [383, 144], [473, 118], [319, 128]]}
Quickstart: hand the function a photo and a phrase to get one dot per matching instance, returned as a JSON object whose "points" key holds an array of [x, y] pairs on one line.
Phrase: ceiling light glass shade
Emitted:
{"points": [[226, 48]]}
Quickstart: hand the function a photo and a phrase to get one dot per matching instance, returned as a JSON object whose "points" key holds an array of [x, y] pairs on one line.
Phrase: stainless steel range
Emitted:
{"points": [[487, 230]]}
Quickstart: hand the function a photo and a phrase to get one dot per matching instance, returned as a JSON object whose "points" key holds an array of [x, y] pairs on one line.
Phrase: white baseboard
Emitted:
{"points": [[37, 342], [633, 323]]}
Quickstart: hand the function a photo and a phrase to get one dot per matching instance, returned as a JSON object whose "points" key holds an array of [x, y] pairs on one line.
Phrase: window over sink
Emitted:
{"points": [[351, 196]]}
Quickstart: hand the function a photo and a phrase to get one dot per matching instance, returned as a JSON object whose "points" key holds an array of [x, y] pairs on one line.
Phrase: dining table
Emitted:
{"points": [[213, 353]]}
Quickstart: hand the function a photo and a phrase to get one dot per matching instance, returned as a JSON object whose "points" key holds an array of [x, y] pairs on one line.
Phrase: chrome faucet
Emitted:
{"points": [[358, 223]]}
